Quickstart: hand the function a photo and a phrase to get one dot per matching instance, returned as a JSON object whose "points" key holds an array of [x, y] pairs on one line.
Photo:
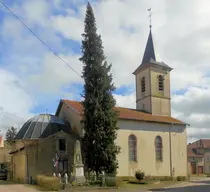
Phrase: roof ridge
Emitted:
{"points": [[129, 114]]}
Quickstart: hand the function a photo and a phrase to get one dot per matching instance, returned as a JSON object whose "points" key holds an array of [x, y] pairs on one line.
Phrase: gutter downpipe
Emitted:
{"points": [[188, 171], [26, 171], [170, 150]]}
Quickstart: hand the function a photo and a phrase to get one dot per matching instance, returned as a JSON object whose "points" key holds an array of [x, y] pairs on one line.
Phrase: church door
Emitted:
{"points": [[63, 165]]}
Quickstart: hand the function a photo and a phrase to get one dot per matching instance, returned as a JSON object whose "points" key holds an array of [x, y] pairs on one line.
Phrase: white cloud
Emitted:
{"points": [[56, 74], [36, 11], [15, 103], [71, 27], [128, 101], [180, 29]]}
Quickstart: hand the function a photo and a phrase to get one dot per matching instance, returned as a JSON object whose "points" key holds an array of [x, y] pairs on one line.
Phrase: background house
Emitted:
{"points": [[4, 150], [198, 154]]}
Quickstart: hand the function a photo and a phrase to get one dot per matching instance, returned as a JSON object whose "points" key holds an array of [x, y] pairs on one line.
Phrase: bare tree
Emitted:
{"points": [[10, 134]]}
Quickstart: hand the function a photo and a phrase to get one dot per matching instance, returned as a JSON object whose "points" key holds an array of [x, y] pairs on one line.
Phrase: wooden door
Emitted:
{"points": [[193, 167], [200, 170]]}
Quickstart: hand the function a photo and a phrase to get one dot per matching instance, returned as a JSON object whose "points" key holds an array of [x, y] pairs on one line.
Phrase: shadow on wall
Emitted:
{"points": [[146, 126]]}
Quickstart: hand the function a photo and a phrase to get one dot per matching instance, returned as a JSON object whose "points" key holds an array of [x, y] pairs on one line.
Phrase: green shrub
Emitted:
{"points": [[150, 178], [125, 178], [110, 181], [181, 178], [139, 175], [50, 183], [74, 183], [167, 178]]}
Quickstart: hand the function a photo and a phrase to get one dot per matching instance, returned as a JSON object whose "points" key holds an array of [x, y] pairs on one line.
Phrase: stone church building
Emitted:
{"points": [[150, 139]]}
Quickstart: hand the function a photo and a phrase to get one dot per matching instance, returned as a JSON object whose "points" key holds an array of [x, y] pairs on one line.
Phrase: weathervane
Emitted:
{"points": [[150, 17]]}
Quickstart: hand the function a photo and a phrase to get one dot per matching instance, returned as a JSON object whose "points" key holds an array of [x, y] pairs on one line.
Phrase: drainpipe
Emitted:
{"points": [[26, 171], [170, 150]]}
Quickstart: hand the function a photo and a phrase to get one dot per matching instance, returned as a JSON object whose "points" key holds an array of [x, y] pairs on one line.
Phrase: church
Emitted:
{"points": [[151, 140]]}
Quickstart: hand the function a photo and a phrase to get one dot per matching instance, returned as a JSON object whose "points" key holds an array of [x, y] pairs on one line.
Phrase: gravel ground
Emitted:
{"points": [[16, 188]]}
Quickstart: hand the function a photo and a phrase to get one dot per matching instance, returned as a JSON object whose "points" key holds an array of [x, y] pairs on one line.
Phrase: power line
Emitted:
{"points": [[39, 38]]}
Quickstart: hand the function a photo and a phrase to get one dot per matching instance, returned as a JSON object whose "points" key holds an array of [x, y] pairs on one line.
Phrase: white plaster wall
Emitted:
{"points": [[146, 133]]}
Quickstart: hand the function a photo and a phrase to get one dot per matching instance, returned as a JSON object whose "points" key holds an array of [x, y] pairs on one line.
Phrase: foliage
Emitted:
{"points": [[74, 183], [10, 134], [100, 119], [50, 183], [139, 175], [166, 178], [110, 181], [181, 178], [137, 182], [158, 178]]}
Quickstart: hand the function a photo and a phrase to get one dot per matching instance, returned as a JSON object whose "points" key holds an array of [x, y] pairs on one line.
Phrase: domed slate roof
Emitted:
{"points": [[42, 126]]}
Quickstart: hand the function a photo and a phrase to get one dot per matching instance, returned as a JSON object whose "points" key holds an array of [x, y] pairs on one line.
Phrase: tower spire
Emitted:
{"points": [[150, 53]]}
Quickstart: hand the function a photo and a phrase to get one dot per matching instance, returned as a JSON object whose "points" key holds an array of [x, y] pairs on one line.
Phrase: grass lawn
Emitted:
{"points": [[124, 185], [150, 185]]}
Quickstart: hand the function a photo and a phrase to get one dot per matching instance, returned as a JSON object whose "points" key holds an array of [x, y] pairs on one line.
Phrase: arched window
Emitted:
{"points": [[161, 82], [132, 141], [158, 148], [143, 84]]}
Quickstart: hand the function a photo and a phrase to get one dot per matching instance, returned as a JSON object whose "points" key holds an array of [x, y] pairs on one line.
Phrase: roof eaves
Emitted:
{"points": [[152, 121], [59, 107], [17, 150], [195, 156]]}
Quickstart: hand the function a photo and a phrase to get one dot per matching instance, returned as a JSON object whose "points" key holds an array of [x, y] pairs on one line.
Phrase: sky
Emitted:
{"points": [[33, 80]]}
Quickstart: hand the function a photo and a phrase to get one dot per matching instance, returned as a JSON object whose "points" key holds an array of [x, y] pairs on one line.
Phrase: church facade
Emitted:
{"points": [[150, 139]]}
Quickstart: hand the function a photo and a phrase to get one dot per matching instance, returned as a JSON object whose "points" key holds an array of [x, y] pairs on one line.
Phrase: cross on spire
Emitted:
{"points": [[150, 17]]}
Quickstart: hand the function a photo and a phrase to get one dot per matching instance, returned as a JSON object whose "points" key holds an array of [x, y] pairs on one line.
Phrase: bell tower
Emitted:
{"points": [[153, 82]]}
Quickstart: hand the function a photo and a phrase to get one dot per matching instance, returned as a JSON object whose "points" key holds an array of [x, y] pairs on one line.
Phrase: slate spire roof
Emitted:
{"points": [[150, 52], [150, 55]]}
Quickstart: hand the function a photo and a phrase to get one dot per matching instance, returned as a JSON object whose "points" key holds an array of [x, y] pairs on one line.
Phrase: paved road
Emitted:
{"points": [[196, 186], [16, 188]]}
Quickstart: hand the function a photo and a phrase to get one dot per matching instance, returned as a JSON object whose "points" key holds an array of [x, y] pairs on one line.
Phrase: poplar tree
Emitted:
{"points": [[100, 118]]}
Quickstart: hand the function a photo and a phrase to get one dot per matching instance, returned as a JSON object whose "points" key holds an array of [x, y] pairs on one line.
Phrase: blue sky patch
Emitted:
{"points": [[125, 90]]}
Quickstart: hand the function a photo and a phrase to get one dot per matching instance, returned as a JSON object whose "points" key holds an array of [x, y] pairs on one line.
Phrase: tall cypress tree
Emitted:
{"points": [[100, 119]]}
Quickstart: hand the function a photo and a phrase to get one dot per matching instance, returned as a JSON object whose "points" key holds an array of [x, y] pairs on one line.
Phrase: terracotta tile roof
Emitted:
{"points": [[191, 147], [129, 114], [191, 153], [205, 143], [202, 143]]}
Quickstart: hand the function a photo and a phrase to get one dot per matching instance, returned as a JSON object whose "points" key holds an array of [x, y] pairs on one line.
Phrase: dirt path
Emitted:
{"points": [[16, 188]]}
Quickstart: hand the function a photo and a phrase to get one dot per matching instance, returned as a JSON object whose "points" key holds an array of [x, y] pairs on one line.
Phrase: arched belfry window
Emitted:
{"points": [[161, 82], [143, 84], [158, 148], [132, 143]]}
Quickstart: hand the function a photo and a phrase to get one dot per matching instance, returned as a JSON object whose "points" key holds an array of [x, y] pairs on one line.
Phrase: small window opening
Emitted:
{"points": [[143, 84], [161, 82], [62, 144]]}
